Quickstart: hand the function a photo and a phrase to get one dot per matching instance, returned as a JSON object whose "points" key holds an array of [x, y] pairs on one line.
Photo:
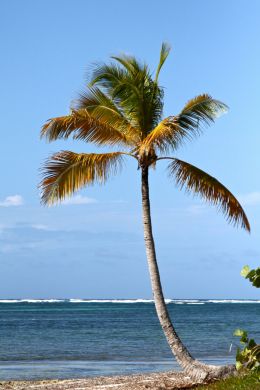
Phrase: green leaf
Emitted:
{"points": [[244, 339], [256, 282], [239, 366], [251, 275], [240, 333], [245, 270], [165, 50], [251, 343]]}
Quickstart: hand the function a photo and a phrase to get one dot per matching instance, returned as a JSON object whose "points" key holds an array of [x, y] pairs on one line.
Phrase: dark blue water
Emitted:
{"points": [[75, 339]]}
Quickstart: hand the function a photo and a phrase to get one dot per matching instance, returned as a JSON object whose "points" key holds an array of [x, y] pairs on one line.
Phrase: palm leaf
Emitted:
{"points": [[123, 89], [173, 130], [131, 65], [132, 89], [163, 137], [84, 127], [201, 110], [165, 50], [197, 181], [108, 77], [66, 172], [149, 97], [102, 108]]}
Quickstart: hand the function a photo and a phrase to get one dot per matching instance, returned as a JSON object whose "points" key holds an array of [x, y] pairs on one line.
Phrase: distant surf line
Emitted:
{"points": [[131, 301]]}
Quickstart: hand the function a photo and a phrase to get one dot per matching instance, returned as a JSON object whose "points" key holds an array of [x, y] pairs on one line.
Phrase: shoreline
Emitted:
{"points": [[171, 380]]}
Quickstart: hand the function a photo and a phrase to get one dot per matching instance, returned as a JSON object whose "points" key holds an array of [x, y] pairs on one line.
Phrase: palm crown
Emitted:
{"points": [[122, 107]]}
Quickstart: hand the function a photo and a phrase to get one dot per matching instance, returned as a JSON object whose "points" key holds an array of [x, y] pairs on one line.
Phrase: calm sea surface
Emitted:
{"points": [[75, 338]]}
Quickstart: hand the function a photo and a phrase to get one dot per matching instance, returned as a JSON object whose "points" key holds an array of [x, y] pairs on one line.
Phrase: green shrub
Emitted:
{"points": [[249, 356], [253, 275]]}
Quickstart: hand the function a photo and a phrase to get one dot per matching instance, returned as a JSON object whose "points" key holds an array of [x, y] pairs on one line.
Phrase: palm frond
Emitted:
{"points": [[123, 89], [132, 89], [199, 111], [102, 108], [165, 50], [107, 76], [163, 137], [66, 172], [210, 189], [131, 64], [173, 130], [83, 126]]}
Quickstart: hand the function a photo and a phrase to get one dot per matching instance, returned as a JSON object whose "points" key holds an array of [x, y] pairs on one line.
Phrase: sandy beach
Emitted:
{"points": [[156, 381]]}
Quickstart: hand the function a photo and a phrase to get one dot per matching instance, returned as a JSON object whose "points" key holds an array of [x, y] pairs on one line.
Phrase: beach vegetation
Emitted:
{"points": [[253, 275], [248, 357], [243, 381]]}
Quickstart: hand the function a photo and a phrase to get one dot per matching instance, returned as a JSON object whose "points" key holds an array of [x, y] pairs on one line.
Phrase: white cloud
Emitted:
{"points": [[12, 200], [79, 199], [250, 199]]}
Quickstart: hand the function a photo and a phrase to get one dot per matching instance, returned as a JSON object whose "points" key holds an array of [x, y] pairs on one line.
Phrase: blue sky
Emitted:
{"points": [[92, 246]]}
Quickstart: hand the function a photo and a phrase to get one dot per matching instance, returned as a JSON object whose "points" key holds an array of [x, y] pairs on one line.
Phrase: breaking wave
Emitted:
{"points": [[132, 301]]}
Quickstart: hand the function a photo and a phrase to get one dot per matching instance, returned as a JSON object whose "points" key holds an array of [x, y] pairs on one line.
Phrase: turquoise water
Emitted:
{"points": [[76, 338]]}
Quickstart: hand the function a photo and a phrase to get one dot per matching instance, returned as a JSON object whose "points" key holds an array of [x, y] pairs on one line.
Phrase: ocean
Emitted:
{"points": [[42, 339]]}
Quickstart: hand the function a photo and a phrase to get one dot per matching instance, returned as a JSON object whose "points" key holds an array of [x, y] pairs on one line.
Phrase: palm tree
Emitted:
{"points": [[122, 108]]}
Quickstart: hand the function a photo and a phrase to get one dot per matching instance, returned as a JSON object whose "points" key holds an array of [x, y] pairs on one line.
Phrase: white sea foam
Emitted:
{"points": [[167, 301], [112, 301], [233, 301], [30, 300], [42, 300], [9, 300], [185, 300], [132, 301]]}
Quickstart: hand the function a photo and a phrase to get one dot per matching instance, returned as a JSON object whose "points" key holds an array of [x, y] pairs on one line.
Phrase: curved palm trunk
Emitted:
{"points": [[197, 370]]}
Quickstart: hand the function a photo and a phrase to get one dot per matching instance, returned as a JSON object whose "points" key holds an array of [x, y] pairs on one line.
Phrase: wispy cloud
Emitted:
{"points": [[38, 240], [79, 199], [250, 199], [12, 200]]}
